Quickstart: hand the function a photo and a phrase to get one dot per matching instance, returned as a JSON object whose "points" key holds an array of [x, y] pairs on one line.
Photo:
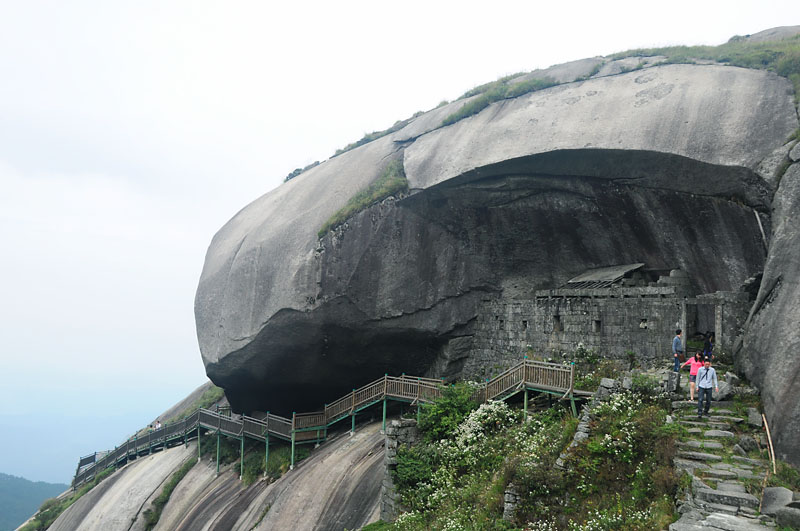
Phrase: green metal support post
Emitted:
{"points": [[291, 464], [241, 460], [353, 414], [525, 416], [198, 441], [266, 453], [266, 446], [383, 426], [218, 452], [572, 387]]}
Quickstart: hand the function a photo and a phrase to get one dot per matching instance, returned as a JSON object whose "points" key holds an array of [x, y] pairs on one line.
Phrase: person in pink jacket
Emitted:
{"points": [[694, 365]]}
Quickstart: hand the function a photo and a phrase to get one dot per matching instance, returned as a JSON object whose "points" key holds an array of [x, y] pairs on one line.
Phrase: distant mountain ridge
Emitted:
{"points": [[20, 498]]}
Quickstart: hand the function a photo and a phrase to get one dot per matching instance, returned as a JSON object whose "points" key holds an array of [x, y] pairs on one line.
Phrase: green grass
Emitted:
{"points": [[153, 514], [369, 137], [781, 57], [391, 182], [496, 91], [207, 399], [53, 507], [298, 171]]}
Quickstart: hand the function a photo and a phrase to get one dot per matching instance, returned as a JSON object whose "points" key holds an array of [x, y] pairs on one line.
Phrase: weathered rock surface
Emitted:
{"points": [[337, 487], [118, 501], [527, 193], [769, 355]]}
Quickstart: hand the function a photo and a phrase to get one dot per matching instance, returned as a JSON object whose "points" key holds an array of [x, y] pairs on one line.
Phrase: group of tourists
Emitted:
{"points": [[701, 374]]}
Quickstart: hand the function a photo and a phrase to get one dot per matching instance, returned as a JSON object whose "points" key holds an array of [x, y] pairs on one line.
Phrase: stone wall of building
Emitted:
{"points": [[610, 322], [403, 431]]}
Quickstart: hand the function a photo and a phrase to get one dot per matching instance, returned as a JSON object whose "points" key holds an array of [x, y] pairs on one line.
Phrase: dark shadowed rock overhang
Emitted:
{"points": [[638, 167]]}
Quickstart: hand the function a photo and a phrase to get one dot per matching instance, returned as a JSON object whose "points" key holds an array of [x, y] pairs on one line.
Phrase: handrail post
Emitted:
{"points": [[198, 439]]}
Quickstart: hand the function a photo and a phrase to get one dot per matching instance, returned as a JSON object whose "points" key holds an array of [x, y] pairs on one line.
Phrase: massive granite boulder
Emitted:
{"points": [[666, 165], [770, 355]]}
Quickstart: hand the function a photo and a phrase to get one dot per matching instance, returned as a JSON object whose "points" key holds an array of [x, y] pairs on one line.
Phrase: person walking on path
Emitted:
{"points": [[706, 379], [708, 345], [677, 350], [694, 364]]}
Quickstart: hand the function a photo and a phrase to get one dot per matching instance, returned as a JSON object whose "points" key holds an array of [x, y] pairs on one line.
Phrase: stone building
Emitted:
{"points": [[611, 311]]}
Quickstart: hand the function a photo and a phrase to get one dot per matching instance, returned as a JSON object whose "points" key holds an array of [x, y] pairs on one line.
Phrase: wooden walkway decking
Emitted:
{"points": [[527, 375]]}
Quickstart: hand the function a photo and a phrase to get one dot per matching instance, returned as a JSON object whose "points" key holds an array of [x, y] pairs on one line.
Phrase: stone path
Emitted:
{"points": [[726, 487]]}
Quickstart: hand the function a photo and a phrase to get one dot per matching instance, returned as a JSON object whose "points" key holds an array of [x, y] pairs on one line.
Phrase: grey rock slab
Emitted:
{"points": [[719, 508], [736, 499], [687, 522], [794, 154], [715, 425], [730, 486], [720, 474], [608, 383], [774, 498], [789, 516], [719, 434], [729, 522], [725, 391], [699, 456], [754, 417], [705, 445], [690, 465], [747, 443], [724, 418], [739, 450], [694, 431], [747, 460]]}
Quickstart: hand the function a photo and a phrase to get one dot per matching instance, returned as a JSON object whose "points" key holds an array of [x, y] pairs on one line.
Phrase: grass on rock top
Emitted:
{"points": [[391, 182]]}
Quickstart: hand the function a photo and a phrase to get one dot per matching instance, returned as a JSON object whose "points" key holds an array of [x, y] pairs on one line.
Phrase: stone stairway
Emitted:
{"points": [[726, 482]]}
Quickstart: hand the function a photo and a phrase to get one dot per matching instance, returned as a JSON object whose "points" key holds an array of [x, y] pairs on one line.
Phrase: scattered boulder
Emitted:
{"points": [[789, 516], [754, 417], [774, 498], [725, 391], [747, 443]]}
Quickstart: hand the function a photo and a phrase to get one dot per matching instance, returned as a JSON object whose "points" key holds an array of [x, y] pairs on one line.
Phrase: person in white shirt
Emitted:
{"points": [[706, 379]]}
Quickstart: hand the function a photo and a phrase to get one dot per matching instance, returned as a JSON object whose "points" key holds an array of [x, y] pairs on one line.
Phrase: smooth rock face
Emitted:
{"points": [[637, 167], [771, 352]]}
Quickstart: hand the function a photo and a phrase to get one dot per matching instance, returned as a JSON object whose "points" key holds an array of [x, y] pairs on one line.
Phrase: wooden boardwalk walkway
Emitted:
{"points": [[527, 375]]}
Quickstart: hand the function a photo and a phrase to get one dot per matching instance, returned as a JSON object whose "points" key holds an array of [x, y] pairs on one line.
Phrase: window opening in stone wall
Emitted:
{"points": [[502, 324], [643, 324], [524, 325], [557, 325], [596, 326]]}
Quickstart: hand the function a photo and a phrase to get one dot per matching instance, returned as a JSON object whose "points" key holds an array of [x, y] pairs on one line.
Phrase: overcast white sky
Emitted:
{"points": [[131, 131]]}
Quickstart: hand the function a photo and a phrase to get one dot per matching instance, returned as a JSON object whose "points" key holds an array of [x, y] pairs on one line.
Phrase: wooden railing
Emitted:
{"points": [[305, 427]]}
